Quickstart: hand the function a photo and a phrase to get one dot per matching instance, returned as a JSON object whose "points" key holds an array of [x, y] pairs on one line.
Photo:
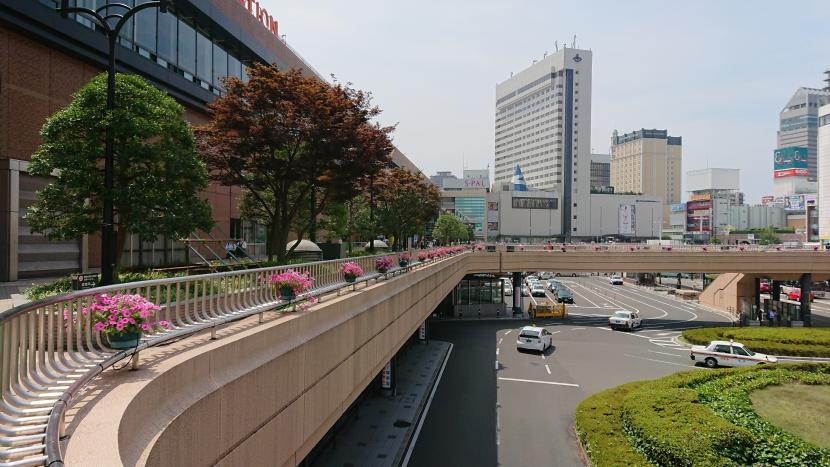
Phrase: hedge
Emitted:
{"points": [[802, 342], [698, 418], [600, 430]]}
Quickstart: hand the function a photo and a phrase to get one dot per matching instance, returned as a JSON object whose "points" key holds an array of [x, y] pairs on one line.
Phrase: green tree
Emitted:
{"points": [[157, 173], [405, 202], [296, 144], [768, 237], [449, 229]]}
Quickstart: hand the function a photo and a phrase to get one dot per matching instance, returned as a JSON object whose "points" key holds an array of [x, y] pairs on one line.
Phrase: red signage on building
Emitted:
{"points": [[791, 173], [261, 14]]}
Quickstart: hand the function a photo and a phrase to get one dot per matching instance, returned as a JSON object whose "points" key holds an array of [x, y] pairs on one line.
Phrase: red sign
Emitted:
{"points": [[261, 14], [791, 173]]}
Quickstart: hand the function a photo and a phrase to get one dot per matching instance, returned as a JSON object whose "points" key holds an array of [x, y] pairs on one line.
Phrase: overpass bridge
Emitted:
{"points": [[235, 374]]}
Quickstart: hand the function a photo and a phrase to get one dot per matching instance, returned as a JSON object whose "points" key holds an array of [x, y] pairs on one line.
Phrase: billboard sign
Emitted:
{"points": [[692, 206], [793, 203], [628, 219], [791, 162], [476, 179], [767, 200], [679, 207], [535, 203]]}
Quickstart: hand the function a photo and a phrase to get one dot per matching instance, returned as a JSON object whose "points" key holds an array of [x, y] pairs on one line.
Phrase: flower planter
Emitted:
{"points": [[403, 264], [382, 270], [287, 294], [124, 340], [350, 279]]}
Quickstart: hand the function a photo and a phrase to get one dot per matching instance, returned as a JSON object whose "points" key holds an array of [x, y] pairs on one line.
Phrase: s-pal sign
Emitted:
{"points": [[261, 14]]}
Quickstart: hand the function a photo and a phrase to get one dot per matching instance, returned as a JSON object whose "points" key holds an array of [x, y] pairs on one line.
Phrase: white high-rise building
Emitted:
{"points": [[824, 171], [543, 124]]}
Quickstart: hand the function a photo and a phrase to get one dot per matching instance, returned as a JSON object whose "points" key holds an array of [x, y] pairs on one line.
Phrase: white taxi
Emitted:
{"points": [[534, 338], [723, 353]]}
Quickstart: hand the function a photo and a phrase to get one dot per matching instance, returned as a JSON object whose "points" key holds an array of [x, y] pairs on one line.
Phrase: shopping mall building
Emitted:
{"points": [[45, 58]]}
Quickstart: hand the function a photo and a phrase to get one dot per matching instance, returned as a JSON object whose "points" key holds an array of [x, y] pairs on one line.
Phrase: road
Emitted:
{"points": [[498, 406]]}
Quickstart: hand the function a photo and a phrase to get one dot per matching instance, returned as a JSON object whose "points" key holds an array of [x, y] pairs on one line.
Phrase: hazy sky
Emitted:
{"points": [[716, 72]]}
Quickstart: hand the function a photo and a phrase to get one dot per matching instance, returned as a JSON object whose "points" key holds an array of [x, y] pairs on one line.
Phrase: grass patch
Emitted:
{"points": [[600, 430], [797, 408], [801, 342]]}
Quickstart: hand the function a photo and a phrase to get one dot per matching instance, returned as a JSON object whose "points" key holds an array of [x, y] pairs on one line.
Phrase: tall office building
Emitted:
{"points": [[647, 162], [543, 124], [824, 170], [798, 125]]}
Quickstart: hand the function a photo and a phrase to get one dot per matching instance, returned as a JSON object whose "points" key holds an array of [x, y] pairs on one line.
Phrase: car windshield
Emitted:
{"points": [[748, 352], [530, 333], [621, 314]]}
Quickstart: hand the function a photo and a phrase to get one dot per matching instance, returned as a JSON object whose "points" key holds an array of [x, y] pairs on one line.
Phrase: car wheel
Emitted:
{"points": [[573, 274], [711, 362]]}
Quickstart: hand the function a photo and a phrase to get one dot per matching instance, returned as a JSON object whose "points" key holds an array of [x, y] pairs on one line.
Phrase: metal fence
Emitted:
{"points": [[49, 350], [634, 247]]}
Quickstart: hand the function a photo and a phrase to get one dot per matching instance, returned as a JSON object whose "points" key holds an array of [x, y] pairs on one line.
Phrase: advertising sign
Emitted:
{"points": [[791, 162], [535, 203], [477, 179], [692, 206], [794, 203], [767, 200], [811, 200], [701, 197], [628, 219], [386, 380], [261, 14], [679, 207]]}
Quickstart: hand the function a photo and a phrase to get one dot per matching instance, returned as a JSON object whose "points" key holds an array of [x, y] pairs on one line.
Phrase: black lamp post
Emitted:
{"points": [[110, 17]]}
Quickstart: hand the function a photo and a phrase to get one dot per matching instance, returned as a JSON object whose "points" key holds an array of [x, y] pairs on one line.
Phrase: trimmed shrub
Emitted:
{"points": [[803, 342], [600, 429]]}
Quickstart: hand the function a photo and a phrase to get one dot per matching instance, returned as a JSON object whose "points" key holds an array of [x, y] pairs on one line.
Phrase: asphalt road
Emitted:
{"points": [[498, 406]]}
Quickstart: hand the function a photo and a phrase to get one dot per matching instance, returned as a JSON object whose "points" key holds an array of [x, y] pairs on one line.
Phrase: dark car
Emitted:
{"points": [[564, 295]]}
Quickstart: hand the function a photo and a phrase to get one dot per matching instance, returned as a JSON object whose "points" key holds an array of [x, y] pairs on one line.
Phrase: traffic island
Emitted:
{"points": [[697, 418]]}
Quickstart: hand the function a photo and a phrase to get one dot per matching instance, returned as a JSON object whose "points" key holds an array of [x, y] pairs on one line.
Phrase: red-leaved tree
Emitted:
{"points": [[295, 143]]}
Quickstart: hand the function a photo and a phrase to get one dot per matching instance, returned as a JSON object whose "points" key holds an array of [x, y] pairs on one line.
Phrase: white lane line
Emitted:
{"points": [[554, 332], [577, 329], [647, 295], [665, 334], [508, 332], [659, 361], [543, 356], [666, 353], [497, 350], [500, 341], [547, 368], [539, 382], [606, 329], [581, 295], [497, 364], [426, 410]]}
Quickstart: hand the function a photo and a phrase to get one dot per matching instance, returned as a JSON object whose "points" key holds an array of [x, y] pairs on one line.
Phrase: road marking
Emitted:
{"points": [[497, 350], [547, 368], [607, 329], [665, 334], [577, 329], [426, 410], [508, 332], [497, 365], [659, 361], [500, 340], [666, 353], [543, 356], [539, 382], [554, 332]]}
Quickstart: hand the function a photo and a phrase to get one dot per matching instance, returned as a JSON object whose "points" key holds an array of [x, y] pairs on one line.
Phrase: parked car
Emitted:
{"points": [[534, 338], [525, 291], [625, 319], [765, 287], [558, 274], [553, 285], [531, 278], [564, 295], [616, 279], [537, 290], [508, 288], [723, 353]]}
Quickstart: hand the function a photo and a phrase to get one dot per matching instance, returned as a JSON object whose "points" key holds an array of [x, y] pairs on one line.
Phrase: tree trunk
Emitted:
{"points": [[120, 241], [280, 241]]}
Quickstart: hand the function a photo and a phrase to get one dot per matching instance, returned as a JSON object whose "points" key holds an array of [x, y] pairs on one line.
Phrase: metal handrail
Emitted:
{"points": [[644, 247], [49, 351]]}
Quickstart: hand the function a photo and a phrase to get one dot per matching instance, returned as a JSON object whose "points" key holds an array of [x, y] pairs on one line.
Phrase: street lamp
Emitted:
{"points": [[110, 17]]}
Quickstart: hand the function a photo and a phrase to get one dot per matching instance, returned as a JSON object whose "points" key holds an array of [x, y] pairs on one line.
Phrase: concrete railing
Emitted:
{"points": [[50, 351]]}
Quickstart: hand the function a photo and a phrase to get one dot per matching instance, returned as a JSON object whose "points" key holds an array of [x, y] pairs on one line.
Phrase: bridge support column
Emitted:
{"points": [[806, 284], [756, 293], [389, 377], [517, 293], [776, 291]]}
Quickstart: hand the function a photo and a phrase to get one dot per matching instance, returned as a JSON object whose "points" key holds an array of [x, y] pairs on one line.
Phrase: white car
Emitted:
{"points": [[531, 278], [533, 338], [545, 275], [616, 279], [537, 290], [508, 288], [525, 291], [625, 319], [723, 353]]}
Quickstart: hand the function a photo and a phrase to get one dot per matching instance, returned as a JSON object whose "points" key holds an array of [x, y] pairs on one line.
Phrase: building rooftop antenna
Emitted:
{"points": [[573, 44], [556, 44]]}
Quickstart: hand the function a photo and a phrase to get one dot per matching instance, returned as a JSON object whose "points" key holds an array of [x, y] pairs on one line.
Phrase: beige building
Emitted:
{"points": [[648, 162]]}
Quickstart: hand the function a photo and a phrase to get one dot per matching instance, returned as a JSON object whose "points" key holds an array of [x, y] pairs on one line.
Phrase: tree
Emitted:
{"points": [[449, 229], [296, 144], [157, 172], [768, 237], [405, 202]]}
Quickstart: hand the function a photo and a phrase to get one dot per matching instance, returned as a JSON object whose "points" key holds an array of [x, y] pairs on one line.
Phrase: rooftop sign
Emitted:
{"points": [[261, 14]]}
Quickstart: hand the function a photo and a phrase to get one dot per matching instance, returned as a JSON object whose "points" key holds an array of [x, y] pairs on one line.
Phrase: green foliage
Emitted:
{"points": [[756, 231], [697, 418], [802, 342], [64, 284], [157, 172], [768, 237], [716, 241], [449, 229], [600, 429], [665, 237]]}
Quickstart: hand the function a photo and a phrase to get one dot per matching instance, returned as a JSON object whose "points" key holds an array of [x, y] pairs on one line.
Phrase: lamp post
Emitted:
{"points": [[110, 17]]}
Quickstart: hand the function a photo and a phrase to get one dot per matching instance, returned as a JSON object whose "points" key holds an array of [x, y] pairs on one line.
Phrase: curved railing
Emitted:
{"points": [[49, 350], [634, 247]]}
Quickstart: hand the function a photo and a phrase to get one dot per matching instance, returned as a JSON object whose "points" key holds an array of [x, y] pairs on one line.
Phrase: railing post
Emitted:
{"points": [[134, 361]]}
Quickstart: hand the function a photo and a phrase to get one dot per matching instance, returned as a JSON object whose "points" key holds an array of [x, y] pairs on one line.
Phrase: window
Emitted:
{"points": [[234, 66], [167, 37], [220, 65], [145, 27], [723, 349], [204, 57], [739, 351], [187, 48]]}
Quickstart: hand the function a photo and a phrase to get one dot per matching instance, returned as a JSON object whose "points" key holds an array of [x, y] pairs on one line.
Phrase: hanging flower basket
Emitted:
{"points": [[404, 259], [351, 271], [383, 264], [122, 318], [290, 283]]}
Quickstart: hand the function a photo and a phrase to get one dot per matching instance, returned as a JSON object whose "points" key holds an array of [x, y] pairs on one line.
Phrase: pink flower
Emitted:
{"points": [[99, 326]]}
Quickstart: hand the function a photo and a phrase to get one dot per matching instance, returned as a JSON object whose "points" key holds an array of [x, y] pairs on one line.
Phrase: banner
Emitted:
{"points": [[628, 219], [791, 162]]}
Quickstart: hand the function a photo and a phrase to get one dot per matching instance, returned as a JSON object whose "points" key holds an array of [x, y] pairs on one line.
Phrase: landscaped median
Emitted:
{"points": [[796, 342], [698, 418]]}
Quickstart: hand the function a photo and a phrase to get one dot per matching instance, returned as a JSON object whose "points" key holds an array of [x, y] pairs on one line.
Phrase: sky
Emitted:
{"points": [[716, 72]]}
